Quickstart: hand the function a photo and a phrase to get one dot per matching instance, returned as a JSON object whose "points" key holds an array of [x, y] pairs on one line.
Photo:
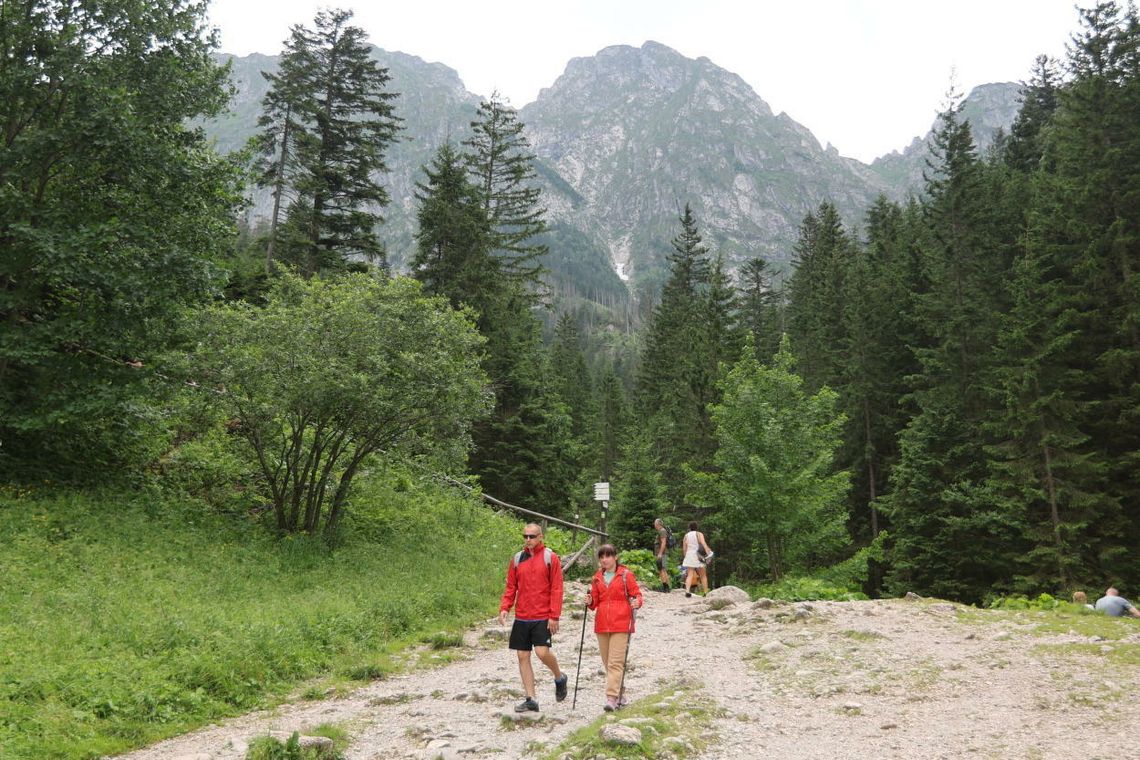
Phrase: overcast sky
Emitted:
{"points": [[864, 75]]}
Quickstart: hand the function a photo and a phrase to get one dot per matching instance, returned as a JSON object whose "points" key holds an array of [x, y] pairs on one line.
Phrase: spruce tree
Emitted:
{"points": [[638, 495], [758, 307], [453, 256], [1025, 146], [502, 167], [1086, 201], [940, 500], [815, 305], [674, 382], [611, 422], [571, 375], [327, 122]]}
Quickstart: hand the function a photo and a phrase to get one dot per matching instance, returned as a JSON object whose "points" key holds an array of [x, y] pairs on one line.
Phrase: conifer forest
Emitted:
{"points": [[943, 398]]}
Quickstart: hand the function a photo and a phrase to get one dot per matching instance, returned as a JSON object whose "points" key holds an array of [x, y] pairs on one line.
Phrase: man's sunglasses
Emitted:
{"points": [[530, 535]]}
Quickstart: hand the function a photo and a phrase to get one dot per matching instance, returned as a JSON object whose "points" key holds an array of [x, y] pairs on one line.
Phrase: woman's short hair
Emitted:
{"points": [[607, 550], [693, 525]]}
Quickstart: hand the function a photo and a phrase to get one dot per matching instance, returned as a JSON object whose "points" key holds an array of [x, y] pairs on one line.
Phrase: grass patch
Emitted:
{"points": [[862, 635], [1117, 654], [674, 722], [269, 748], [126, 618], [443, 640], [1065, 618]]}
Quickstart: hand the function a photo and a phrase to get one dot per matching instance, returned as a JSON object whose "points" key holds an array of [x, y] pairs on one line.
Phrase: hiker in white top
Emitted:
{"points": [[697, 553]]}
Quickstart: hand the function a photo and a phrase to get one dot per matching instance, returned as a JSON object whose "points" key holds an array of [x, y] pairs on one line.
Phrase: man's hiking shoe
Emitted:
{"points": [[688, 594], [665, 587], [611, 704], [527, 705], [560, 688]]}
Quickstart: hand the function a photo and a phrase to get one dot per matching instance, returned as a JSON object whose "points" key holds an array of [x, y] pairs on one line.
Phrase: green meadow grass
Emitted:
{"points": [[129, 617]]}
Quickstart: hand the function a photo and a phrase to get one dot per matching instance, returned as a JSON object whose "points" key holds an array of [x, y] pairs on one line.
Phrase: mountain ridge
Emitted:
{"points": [[625, 138]]}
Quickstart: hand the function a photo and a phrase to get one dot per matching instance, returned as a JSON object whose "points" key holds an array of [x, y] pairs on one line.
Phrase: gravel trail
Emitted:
{"points": [[875, 679]]}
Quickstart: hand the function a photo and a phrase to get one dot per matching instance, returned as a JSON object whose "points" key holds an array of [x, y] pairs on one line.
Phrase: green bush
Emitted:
{"points": [[805, 589], [1022, 602], [643, 564]]}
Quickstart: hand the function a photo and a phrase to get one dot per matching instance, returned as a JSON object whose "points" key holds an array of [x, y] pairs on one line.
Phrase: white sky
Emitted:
{"points": [[866, 76]]}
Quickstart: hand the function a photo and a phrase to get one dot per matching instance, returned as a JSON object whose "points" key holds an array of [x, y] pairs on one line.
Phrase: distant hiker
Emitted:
{"points": [[697, 553], [534, 589], [614, 593], [1113, 604], [662, 553]]}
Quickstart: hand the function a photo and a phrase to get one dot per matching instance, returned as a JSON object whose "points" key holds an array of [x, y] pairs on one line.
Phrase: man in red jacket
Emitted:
{"points": [[534, 589]]}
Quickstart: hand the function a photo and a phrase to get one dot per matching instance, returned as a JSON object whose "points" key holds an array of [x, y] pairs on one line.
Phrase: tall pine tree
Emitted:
{"points": [[327, 123]]}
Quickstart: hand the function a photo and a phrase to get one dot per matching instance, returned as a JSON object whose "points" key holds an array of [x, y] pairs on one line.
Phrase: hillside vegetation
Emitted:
{"points": [[128, 617]]}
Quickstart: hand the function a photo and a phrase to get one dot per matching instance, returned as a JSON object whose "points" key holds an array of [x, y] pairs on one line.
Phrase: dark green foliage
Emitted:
{"points": [[475, 221], [776, 495], [815, 307], [638, 495], [330, 373], [112, 211], [686, 339], [501, 165], [1026, 145], [1085, 250], [610, 424], [759, 308], [940, 499], [452, 244], [326, 124], [571, 376]]}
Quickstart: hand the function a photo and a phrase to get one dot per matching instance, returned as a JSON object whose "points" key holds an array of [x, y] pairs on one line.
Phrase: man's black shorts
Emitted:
{"points": [[660, 563], [528, 634]]}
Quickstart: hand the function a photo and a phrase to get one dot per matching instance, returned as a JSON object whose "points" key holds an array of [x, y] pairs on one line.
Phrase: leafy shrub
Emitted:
{"points": [[642, 563], [1022, 602], [806, 589]]}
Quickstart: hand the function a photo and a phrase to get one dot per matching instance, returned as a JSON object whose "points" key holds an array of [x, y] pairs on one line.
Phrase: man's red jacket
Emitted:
{"points": [[533, 588]]}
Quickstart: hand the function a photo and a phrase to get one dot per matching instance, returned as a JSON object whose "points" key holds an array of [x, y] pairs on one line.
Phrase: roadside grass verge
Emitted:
{"points": [[126, 617]]}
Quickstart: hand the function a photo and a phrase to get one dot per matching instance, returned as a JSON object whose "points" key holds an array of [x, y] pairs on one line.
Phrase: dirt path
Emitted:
{"points": [[877, 679]]}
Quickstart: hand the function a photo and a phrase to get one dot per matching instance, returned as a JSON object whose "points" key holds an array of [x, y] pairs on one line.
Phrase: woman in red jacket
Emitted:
{"points": [[614, 593]]}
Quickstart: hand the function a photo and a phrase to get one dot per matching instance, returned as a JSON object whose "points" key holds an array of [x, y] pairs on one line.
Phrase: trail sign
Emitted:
{"points": [[601, 492]]}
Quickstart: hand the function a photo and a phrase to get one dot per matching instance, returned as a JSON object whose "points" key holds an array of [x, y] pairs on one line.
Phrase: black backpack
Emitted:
{"points": [[670, 539]]}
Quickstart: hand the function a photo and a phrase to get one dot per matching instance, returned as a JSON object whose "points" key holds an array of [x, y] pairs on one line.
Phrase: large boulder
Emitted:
{"points": [[730, 594]]}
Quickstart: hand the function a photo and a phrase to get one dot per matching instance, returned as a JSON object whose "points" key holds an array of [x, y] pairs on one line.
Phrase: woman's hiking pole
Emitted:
{"points": [[581, 644], [625, 660]]}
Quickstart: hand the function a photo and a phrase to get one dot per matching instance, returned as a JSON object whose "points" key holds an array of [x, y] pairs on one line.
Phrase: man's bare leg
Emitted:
{"points": [[526, 671], [546, 655]]}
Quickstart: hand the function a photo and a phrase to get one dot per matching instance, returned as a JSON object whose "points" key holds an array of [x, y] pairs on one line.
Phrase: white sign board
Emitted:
{"points": [[601, 492]]}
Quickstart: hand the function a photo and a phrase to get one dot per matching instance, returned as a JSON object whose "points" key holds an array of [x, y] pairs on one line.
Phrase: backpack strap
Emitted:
{"points": [[546, 555]]}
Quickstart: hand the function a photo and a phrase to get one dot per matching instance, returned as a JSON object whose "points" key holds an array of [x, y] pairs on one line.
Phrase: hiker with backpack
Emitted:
{"points": [[697, 555], [534, 589], [665, 542], [614, 593]]}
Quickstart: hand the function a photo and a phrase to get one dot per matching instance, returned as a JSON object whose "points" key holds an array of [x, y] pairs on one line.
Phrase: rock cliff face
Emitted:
{"points": [[640, 132], [626, 138]]}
